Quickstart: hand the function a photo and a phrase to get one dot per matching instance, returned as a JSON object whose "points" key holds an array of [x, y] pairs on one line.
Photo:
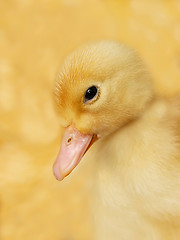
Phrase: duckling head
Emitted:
{"points": [[100, 88]]}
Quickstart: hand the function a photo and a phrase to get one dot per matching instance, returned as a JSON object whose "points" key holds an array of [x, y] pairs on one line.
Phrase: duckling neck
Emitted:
{"points": [[120, 148]]}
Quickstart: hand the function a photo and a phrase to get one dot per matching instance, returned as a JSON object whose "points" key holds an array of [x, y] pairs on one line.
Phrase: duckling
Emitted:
{"points": [[105, 98]]}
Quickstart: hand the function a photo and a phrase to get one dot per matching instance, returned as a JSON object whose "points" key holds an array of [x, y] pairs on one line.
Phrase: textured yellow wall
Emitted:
{"points": [[35, 35]]}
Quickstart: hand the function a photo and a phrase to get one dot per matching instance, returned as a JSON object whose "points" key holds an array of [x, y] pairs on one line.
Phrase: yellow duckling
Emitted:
{"points": [[105, 96]]}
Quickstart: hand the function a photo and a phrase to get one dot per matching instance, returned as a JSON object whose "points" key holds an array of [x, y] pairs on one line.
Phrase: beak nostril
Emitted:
{"points": [[69, 140]]}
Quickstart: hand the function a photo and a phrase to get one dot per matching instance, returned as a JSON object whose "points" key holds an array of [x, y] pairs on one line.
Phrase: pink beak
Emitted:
{"points": [[73, 147]]}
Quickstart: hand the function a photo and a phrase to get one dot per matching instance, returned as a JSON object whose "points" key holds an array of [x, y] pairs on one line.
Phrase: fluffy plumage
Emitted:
{"points": [[138, 149]]}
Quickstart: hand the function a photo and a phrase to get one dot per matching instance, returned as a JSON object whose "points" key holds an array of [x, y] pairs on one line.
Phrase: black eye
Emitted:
{"points": [[90, 93]]}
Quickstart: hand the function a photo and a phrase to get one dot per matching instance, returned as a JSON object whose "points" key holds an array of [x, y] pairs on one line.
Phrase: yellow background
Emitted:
{"points": [[35, 35]]}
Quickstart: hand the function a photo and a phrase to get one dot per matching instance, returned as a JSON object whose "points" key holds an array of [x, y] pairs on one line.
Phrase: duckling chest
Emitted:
{"points": [[116, 178], [127, 173]]}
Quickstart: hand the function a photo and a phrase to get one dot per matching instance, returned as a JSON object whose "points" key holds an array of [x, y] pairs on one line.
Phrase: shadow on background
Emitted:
{"points": [[34, 38]]}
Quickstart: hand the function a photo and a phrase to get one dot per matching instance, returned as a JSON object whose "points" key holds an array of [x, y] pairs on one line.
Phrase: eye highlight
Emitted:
{"points": [[90, 94]]}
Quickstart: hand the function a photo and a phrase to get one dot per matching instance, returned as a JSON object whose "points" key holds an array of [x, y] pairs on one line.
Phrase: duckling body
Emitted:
{"points": [[138, 187], [105, 97]]}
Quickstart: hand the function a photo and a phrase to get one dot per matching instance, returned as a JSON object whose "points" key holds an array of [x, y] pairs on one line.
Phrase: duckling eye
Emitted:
{"points": [[90, 93]]}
